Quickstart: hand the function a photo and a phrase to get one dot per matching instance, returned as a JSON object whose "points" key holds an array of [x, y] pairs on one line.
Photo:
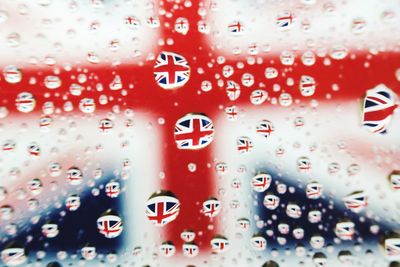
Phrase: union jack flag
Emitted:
{"points": [[105, 125], [88, 252], [219, 244], [231, 112], [356, 201], [232, 90], [236, 27], [153, 21], [345, 230], [271, 201], [211, 207], [392, 247], [171, 70], [194, 131], [307, 85], [162, 209], [188, 235], [132, 21], [293, 211], [13, 256], [314, 190], [394, 179], [9, 145], [261, 182], [379, 105], [258, 97], [110, 225], [112, 189], [142, 144], [303, 164], [284, 20], [167, 249], [221, 168], [243, 224], [190, 249], [244, 144], [265, 128], [12, 74], [72, 202], [258, 243]]}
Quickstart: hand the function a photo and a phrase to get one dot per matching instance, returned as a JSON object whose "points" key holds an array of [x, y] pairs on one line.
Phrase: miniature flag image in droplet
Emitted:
{"points": [[314, 190], [284, 20], [13, 255], [162, 208], [74, 176], [261, 182], [394, 179], [344, 229], [171, 70], [390, 243], [244, 144], [73, 202], [356, 201], [12, 74], [50, 229], [193, 131], [219, 244], [265, 128], [88, 252], [25, 102], [188, 235], [211, 207], [109, 224], [167, 249], [113, 189], [190, 249], [236, 27], [258, 243], [271, 201], [378, 107]]}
